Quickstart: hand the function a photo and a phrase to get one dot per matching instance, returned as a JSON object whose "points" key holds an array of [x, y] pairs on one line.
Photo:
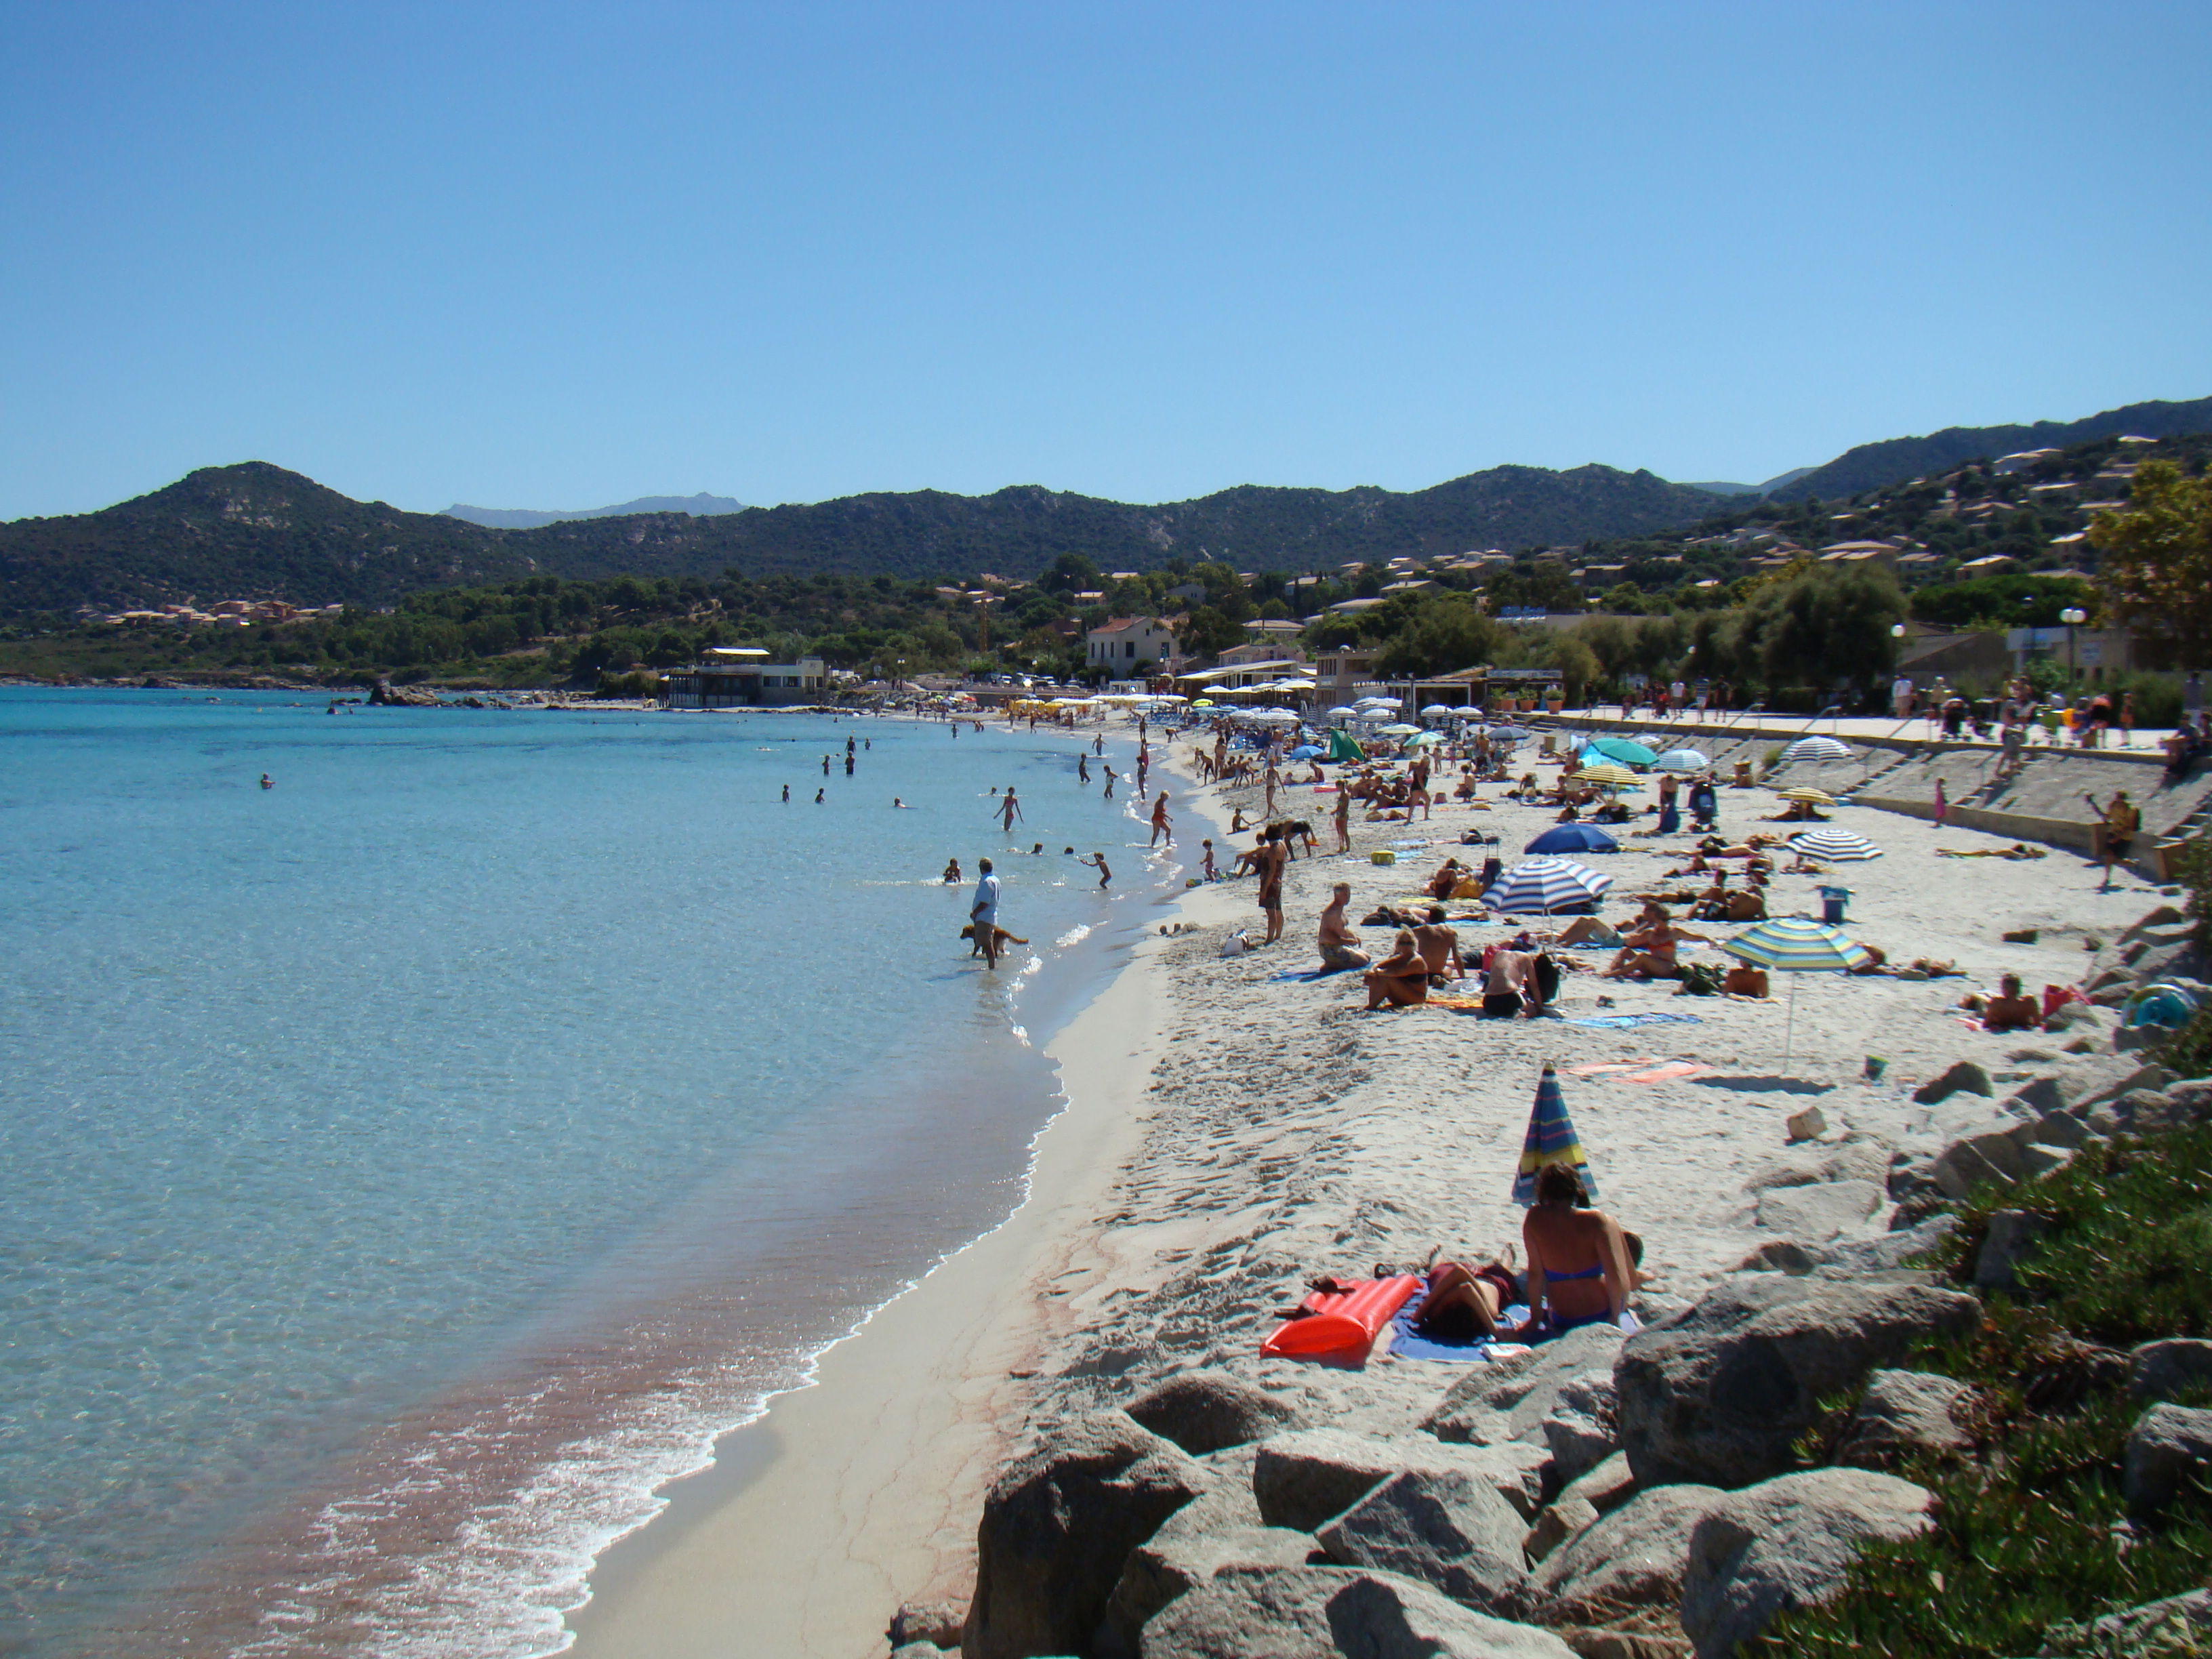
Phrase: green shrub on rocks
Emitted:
{"points": [[2031, 1540]]}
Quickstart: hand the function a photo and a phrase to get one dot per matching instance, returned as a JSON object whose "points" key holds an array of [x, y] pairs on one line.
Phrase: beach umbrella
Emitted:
{"points": [[1515, 735], [1400, 729], [1682, 760], [1306, 751], [1343, 714], [1606, 774], [1816, 749], [1203, 702], [1546, 885], [1442, 709], [1423, 741], [1627, 750], [1573, 838], [1793, 945], [1806, 793], [1551, 1140], [1836, 845]]}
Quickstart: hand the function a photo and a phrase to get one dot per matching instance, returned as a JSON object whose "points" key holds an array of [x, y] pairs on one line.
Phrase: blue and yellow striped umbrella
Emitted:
{"points": [[1551, 1140], [1797, 945]]}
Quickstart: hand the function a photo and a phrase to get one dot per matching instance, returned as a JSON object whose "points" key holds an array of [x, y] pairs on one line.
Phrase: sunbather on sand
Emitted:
{"points": [[1581, 1268], [1438, 944], [1650, 951], [1746, 979], [1400, 979], [2010, 1011], [1340, 945], [1464, 1303]]}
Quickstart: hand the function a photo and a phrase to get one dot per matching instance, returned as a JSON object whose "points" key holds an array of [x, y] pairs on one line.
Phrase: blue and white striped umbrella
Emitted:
{"points": [[1544, 885], [1837, 846]]}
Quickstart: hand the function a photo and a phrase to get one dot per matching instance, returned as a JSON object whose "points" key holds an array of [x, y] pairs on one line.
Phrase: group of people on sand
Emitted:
{"points": [[1582, 1268]]}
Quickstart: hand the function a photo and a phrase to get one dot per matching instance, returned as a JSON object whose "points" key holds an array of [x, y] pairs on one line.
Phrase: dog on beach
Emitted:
{"points": [[1000, 940]]}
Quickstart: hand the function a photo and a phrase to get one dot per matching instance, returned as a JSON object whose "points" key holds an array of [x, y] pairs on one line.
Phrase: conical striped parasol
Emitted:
{"points": [[1837, 846], [1794, 945], [1546, 885], [1805, 791], [1551, 1140]]}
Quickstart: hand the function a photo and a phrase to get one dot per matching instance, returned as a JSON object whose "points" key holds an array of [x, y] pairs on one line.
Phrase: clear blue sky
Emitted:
{"points": [[553, 254]]}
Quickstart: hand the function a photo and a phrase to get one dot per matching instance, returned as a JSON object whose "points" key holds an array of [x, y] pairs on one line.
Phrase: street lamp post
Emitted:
{"points": [[2073, 617]]}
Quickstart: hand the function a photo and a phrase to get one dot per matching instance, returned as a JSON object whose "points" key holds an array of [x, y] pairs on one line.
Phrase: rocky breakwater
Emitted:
{"points": [[1595, 1495]]}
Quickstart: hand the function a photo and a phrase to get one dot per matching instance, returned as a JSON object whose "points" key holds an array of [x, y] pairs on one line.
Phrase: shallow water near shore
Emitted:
{"points": [[408, 1167]]}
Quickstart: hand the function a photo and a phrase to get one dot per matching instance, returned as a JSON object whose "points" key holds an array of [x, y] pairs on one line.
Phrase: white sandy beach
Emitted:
{"points": [[1231, 1131]]}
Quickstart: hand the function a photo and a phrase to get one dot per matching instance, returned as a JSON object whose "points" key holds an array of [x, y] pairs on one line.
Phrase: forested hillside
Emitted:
{"points": [[255, 531]]}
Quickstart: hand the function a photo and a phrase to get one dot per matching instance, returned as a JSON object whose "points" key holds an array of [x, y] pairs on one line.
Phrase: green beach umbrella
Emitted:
{"points": [[1793, 945], [1627, 750]]}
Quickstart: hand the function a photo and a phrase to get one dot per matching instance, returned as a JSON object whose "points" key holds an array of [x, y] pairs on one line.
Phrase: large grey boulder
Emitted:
{"points": [[2156, 1369], [1903, 1412], [1787, 1543], [1632, 1557], [2177, 1625], [937, 1623], [1205, 1411], [1449, 1531], [1607, 1486], [1556, 1522], [1305, 1479], [1718, 1396], [1828, 1209], [1158, 1573], [1320, 1612], [1582, 1430], [1057, 1526], [1509, 1400], [2168, 1446], [1965, 1076]]}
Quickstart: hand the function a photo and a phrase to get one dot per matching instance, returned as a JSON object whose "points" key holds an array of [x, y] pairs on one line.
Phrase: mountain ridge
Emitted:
{"points": [[701, 506]]}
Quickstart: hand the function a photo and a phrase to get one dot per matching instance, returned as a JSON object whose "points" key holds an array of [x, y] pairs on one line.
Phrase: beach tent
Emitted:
{"points": [[1836, 845], [1546, 885], [1816, 749], [1573, 838], [1624, 750], [1551, 1140], [1682, 760], [1794, 945], [1342, 748]]}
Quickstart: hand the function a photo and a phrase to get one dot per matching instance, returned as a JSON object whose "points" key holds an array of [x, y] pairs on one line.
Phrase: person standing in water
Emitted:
{"points": [[1097, 861], [983, 912], [1009, 810], [1160, 825], [1109, 773], [787, 794], [1083, 769], [951, 873]]}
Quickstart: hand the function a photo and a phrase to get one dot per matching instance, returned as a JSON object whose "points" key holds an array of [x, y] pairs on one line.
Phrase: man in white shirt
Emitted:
{"points": [[984, 912], [1900, 696]]}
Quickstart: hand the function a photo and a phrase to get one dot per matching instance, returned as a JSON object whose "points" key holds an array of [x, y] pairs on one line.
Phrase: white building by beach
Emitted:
{"points": [[1125, 644]]}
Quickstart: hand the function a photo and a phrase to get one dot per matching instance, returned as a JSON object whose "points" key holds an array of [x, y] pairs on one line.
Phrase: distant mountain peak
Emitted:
{"points": [[701, 505]]}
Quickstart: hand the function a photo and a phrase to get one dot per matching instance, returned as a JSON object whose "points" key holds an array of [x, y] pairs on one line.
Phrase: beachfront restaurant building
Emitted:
{"points": [[741, 677], [1499, 690]]}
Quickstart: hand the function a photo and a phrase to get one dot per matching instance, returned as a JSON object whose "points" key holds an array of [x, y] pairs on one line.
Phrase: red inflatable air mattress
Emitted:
{"points": [[1341, 1321]]}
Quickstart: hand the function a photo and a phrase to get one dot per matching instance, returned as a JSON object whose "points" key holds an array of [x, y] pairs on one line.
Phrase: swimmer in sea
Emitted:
{"points": [[268, 783], [898, 805], [1036, 850], [952, 871], [1097, 861], [817, 796]]}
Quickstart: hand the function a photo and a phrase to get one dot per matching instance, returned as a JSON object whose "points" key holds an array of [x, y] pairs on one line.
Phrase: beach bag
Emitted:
{"points": [[1236, 945], [1466, 888], [1699, 980]]}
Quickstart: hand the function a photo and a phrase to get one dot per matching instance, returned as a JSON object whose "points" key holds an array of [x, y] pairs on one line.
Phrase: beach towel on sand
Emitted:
{"points": [[1406, 1343], [1628, 1022]]}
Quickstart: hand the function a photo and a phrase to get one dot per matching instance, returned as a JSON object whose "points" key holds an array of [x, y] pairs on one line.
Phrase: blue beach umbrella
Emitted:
{"points": [[1306, 751], [1551, 1140], [1546, 885], [1574, 838], [1627, 750]]}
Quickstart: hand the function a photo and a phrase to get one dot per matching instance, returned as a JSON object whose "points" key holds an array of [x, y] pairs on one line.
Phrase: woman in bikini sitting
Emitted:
{"points": [[1651, 951], [1582, 1265]]}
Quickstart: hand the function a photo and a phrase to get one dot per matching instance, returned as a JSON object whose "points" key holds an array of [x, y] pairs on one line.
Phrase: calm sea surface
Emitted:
{"points": [[404, 1168]]}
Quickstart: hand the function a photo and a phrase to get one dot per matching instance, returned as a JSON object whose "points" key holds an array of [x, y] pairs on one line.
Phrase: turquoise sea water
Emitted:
{"points": [[404, 1167]]}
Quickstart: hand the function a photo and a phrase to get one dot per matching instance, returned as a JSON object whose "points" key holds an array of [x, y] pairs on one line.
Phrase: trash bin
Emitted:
{"points": [[1833, 900]]}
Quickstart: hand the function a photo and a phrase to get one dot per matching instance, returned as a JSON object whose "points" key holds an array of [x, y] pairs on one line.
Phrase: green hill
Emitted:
{"points": [[255, 531], [1872, 466]]}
